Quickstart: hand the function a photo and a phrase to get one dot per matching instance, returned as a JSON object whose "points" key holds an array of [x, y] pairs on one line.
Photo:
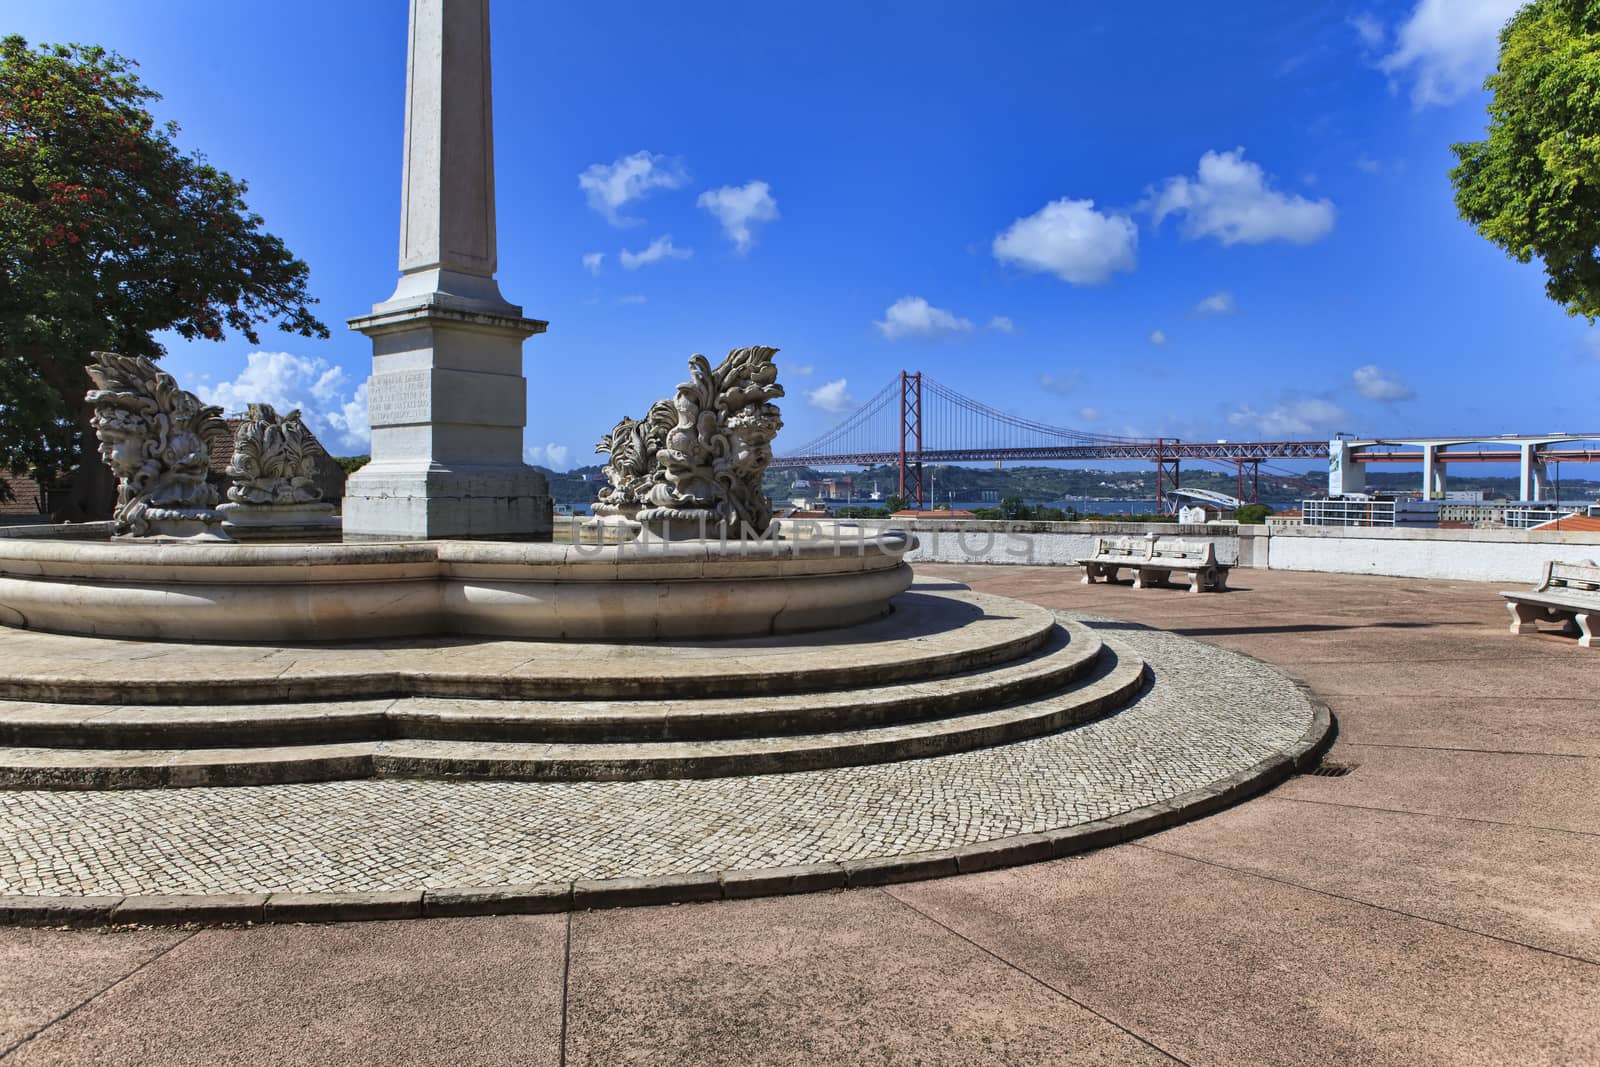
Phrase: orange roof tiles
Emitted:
{"points": [[1572, 524]]}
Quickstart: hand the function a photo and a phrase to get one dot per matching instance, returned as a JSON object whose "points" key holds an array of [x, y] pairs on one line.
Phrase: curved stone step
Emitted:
{"points": [[929, 635], [1120, 675], [1068, 653]]}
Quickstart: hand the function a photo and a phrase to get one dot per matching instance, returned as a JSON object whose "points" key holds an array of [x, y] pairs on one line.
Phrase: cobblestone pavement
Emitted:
{"points": [[1209, 714]]}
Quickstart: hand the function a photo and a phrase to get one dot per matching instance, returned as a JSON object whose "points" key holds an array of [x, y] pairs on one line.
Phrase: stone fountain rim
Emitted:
{"points": [[448, 552]]}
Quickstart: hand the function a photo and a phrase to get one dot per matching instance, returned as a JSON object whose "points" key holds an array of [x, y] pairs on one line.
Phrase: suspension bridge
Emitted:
{"points": [[916, 420]]}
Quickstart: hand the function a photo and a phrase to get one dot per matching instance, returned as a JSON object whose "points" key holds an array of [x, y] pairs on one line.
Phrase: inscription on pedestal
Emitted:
{"points": [[400, 398]]}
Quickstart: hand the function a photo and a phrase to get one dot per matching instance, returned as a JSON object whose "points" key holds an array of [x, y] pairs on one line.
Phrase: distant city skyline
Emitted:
{"points": [[1202, 224]]}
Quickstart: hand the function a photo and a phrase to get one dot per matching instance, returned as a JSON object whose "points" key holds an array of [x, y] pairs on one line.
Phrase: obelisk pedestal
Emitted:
{"points": [[447, 401]]}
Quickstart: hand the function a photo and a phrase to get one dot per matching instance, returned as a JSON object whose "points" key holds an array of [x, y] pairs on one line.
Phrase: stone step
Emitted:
{"points": [[1069, 652], [930, 634], [1118, 677]]}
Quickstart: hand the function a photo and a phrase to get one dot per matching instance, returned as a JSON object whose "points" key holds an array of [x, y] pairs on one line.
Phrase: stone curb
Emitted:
{"points": [[685, 888], [705, 886]]}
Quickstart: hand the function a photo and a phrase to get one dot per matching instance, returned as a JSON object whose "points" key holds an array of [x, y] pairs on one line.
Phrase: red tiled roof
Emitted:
{"points": [[26, 498], [909, 513], [1572, 524], [222, 446]]}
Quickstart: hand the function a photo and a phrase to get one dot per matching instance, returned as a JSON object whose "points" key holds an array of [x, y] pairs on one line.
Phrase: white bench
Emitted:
{"points": [[1569, 593], [1111, 554], [1153, 560], [1196, 558]]}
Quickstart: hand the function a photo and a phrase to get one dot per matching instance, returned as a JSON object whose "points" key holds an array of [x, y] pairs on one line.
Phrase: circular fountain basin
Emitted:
{"points": [[329, 592]]}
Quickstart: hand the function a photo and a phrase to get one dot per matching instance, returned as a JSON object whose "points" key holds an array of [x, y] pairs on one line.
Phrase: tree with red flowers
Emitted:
{"points": [[110, 235]]}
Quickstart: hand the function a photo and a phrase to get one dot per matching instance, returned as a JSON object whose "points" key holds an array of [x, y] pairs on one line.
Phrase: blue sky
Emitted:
{"points": [[1231, 222]]}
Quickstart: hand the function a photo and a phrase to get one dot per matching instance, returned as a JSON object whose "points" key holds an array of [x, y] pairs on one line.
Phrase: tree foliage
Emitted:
{"points": [[109, 236], [1532, 186], [1014, 509]]}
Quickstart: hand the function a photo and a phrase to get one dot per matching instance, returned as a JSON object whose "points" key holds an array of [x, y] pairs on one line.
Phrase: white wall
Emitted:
{"points": [[1515, 556], [1030, 543]]}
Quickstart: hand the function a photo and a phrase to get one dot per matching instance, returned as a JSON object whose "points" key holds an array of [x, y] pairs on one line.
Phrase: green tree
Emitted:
{"points": [[1532, 186], [109, 236], [896, 503]]}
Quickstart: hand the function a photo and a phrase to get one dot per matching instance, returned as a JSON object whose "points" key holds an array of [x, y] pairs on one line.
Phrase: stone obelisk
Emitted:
{"points": [[447, 400]]}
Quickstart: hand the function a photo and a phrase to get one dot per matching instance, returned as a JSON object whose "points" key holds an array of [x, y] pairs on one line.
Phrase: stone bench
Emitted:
{"points": [[1112, 554], [1153, 561], [1568, 593]]}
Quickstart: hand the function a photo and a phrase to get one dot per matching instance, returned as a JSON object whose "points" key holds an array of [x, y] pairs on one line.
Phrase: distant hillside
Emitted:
{"points": [[578, 487], [1042, 484]]}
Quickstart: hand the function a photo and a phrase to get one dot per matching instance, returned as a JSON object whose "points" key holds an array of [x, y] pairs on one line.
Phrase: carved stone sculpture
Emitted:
{"points": [[693, 466], [274, 459], [154, 437], [632, 445], [274, 472]]}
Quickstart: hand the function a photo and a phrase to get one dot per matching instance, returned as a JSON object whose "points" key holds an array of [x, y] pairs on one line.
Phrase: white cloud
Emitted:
{"points": [[1060, 383], [1591, 343], [800, 370], [737, 206], [631, 298], [1374, 384], [1158, 337], [551, 455], [661, 248], [1088, 414], [913, 316], [609, 187], [1369, 30], [1218, 303], [592, 261], [1073, 241], [350, 420], [1368, 165], [832, 396], [1002, 324], [1295, 417], [1446, 48], [1230, 199], [312, 384]]}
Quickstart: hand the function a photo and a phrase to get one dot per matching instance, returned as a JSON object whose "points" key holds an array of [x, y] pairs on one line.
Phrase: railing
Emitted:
{"points": [[1358, 511], [1345, 511], [1526, 517]]}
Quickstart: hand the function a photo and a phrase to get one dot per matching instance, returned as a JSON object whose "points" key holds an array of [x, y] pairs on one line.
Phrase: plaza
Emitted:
{"points": [[1435, 904], [460, 752]]}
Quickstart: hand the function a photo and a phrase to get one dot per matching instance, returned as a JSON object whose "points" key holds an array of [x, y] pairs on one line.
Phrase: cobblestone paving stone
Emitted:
{"points": [[1209, 714]]}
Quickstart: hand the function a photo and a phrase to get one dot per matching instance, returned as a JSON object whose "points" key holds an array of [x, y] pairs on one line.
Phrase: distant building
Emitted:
{"points": [[26, 505]]}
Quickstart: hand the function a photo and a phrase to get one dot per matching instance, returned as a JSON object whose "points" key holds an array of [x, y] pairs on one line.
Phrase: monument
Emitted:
{"points": [[447, 401]]}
